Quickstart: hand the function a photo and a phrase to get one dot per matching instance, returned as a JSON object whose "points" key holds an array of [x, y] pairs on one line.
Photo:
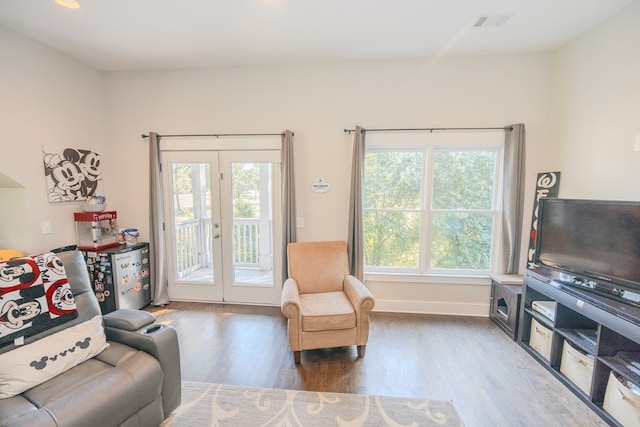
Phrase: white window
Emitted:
{"points": [[430, 202]]}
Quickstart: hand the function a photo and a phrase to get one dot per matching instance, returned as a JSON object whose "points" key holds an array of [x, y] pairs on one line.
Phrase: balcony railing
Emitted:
{"points": [[246, 242], [194, 238]]}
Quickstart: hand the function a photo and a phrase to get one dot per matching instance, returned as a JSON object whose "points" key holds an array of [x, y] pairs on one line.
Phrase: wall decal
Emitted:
{"points": [[547, 185], [71, 175]]}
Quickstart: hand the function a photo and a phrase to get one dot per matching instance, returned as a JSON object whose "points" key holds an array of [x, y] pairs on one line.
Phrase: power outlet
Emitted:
{"points": [[45, 227], [636, 146]]}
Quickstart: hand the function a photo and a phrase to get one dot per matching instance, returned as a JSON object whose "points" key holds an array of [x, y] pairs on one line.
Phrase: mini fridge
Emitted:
{"points": [[120, 276]]}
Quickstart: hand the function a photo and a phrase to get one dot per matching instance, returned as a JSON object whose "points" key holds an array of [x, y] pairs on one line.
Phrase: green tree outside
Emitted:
{"points": [[460, 202], [392, 208]]}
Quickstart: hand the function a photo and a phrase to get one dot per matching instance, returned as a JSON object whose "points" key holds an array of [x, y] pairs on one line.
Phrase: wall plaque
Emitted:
{"points": [[320, 185]]}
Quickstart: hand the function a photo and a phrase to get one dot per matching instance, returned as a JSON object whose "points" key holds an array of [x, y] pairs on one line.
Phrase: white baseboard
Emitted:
{"points": [[432, 307], [402, 306]]}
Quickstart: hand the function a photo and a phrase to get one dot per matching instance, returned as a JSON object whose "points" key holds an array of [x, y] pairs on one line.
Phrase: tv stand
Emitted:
{"points": [[598, 326]]}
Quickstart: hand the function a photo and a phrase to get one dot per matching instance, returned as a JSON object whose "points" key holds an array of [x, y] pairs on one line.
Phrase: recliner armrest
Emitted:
{"points": [[128, 319], [160, 341]]}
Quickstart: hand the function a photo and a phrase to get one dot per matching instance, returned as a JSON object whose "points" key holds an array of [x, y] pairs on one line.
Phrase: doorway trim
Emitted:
{"points": [[270, 143]]}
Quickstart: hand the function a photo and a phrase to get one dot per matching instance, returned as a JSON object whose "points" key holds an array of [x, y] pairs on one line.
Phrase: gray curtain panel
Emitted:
{"points": [[355, 240], [512, 198], [157, 250], [288, 199]]}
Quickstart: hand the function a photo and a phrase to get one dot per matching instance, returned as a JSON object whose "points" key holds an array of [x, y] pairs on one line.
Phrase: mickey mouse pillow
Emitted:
{"points": [[32, 364]]}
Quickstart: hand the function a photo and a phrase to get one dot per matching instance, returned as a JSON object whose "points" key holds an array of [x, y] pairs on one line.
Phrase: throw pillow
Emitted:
{"points": [[32, 364]]}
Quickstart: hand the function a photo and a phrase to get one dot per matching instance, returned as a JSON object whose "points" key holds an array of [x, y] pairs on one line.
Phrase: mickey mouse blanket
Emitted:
{"points": [[34, 296]]}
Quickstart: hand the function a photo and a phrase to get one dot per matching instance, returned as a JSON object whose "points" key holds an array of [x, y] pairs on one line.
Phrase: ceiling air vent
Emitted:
{"points": [[491, 21]]}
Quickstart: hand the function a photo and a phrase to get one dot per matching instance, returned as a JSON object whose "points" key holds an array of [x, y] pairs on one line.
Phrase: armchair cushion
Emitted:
{"points": [[327, 311]]}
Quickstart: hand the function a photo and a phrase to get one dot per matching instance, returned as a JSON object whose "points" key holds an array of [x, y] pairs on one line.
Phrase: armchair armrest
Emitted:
{"points": [[138, 329], [290, 306], [358, 294], [290, 300], [363, 302]]}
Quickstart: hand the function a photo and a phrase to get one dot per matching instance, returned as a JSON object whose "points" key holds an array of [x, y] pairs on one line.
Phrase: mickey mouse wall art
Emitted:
{"points": [[71, 175]]}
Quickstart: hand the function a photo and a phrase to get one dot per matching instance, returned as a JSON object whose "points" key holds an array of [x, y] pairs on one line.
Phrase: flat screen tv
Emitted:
{"points": [[596, 242]]}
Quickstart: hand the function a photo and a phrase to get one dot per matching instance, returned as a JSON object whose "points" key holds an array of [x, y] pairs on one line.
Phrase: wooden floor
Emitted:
{"points": [[468, 360]]}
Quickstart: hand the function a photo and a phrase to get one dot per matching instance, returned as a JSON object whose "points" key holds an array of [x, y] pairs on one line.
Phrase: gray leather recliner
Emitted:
{"points": [[135, 381]]}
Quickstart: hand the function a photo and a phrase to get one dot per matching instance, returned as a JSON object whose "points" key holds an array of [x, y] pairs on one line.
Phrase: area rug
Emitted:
{"points": [[225, 405]]}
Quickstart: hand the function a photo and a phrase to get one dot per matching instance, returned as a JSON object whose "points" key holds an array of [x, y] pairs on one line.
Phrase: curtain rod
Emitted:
{"points": [[217, 135], [509, 128]]}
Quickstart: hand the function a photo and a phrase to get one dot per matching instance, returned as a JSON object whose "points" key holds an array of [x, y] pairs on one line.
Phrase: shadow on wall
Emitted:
{"points": [[13, 223]]}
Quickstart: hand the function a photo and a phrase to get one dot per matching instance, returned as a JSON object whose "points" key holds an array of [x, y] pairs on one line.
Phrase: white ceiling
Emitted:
{"points": [[167, 34]]}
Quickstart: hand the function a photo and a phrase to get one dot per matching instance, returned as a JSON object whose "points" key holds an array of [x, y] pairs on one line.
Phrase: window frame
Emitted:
{"points": [[429, 145]]}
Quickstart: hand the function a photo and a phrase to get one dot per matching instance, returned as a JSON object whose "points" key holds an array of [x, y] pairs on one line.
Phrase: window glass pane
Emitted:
{"points": [[391, 239], [463, 179], [191, 195], [252, 227], [392, 180], [462, 241]]}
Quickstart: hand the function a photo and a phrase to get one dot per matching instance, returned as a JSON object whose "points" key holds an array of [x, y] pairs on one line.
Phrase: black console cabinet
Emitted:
{"points": [[597, 326], [506, 293]]}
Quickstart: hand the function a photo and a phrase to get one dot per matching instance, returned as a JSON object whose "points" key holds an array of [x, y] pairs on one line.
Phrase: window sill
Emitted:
{"points": [[448, 279]]}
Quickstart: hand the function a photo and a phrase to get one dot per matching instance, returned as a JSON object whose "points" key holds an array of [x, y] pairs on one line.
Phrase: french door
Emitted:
{"points": [[223, 225]]}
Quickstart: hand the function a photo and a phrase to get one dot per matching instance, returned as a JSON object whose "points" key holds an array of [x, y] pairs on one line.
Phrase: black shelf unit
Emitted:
{"points": [[506, 294], [599, 326]]}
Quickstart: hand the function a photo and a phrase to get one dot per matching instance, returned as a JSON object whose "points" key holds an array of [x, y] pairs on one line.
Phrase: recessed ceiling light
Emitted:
{"points": [[71, 4]]}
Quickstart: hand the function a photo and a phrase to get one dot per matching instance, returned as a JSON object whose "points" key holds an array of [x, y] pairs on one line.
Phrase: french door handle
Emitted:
{"points": [[216, 236]]}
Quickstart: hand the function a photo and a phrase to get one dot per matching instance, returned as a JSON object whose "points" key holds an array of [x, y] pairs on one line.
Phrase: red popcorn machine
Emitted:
{"points": [[96, 230]]}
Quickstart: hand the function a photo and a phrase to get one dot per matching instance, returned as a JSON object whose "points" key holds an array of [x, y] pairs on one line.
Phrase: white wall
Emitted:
{"points": [[317, 102], [47, 100], [596, 111]]}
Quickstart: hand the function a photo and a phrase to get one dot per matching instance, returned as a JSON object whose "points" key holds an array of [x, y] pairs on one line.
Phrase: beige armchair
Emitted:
{"points": [[325, 306]]}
